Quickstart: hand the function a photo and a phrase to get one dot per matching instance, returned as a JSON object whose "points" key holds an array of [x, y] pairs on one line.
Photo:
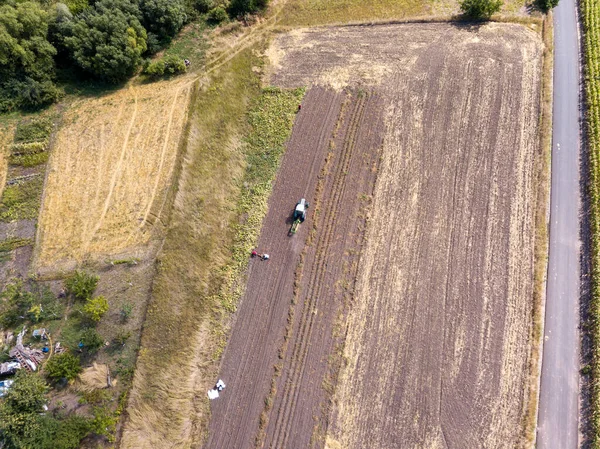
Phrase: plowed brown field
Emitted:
{"points": [[435, 304]]}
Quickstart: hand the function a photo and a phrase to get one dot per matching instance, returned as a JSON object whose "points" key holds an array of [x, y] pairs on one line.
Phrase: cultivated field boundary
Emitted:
{"points": [[588, 13], [266, 29], [540, 196]]}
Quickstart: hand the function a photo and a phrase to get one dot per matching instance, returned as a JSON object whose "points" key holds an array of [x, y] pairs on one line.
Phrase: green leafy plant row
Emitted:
{"points": [[18, 149], [21, 201], [271, 121], [29, 160], [590, 13]]}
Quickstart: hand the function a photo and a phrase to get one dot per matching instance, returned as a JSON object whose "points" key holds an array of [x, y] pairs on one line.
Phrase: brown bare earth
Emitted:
{"points": [[434, 305], [337, 176], [110, 168]]}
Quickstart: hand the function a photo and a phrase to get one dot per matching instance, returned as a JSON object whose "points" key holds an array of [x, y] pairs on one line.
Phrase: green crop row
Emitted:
{"points": [[29, 160], [590, 14], [19, 149]]}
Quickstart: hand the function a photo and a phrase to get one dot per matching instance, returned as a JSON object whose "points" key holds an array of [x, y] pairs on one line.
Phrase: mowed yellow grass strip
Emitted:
{"points": [[109, 172], [439, 340], [6, 137]]}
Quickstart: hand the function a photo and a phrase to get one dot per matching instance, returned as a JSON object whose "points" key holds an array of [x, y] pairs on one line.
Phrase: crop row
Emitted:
{"points": [[590, 16]]}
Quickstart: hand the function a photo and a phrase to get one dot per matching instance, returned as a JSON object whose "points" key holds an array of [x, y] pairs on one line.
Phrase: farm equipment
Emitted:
{"points": [[299, 215]]}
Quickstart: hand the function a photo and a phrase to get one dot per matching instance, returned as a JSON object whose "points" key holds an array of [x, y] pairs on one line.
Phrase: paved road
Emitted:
{"points": [[558, 420]]}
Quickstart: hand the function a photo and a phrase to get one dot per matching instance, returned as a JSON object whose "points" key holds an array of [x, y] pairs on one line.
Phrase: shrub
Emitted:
{"points": [[16, 302], [33, 130], [18, 149], [104, 422], [126, 310], [81, 285], [480, 9], [169, 65], [29, 160], [217, 15], [121, 338], [95, 308], [203, 6], [108, 41], [91, 340], [241, 7], [63, 366]]}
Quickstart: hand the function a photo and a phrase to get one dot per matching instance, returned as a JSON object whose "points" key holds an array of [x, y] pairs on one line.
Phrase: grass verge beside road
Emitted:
{"points": [[541, 231], [590, 13], [218, 210], [319, 12]]}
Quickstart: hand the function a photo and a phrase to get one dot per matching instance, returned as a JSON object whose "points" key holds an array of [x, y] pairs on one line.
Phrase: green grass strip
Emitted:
{"points": [[21, 201], [29, 160], [270, 120], [14, 243]]}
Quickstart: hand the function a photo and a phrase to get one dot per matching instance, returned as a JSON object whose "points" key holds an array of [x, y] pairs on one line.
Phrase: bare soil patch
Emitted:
{"points": [[299, 287], [109, 172], [438, 339]]}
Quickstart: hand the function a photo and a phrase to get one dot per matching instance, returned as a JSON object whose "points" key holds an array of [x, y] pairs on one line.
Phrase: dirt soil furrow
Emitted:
{"points": [[321, 304], [258, 333]]}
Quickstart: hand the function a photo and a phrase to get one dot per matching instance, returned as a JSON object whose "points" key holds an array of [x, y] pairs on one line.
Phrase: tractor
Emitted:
{"points": [[299, 215]]}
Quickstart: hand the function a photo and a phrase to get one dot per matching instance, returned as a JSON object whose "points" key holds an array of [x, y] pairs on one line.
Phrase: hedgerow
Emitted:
{"points": [[590, 13]]}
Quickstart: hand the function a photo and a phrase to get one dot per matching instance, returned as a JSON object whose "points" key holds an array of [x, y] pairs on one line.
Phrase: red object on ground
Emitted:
{"points": [[254, 253]]}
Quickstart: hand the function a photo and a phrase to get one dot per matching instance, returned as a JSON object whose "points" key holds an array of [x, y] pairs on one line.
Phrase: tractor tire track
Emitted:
{"points": [[317, 282], [117, 171], [162, 159], [253, 346]]}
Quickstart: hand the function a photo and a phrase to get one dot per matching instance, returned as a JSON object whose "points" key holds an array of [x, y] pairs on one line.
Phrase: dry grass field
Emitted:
{"points": [[321, 12], [6, 136], [439, 339], [110, 168]]}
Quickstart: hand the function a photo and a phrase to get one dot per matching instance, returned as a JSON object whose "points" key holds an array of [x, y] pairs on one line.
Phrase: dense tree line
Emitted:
{"points": [[102, 39]]}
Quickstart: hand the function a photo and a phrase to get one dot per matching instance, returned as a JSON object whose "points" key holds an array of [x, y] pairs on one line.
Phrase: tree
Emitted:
{"points": [[20, 409], [163, 18], [81, 285], [27, 394], [95, 308], [240, 7], [26, 57], [63, 366], [108, 41], [480, 9], [15, 305], [546, 5], [76, 6], [23, 424]]}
